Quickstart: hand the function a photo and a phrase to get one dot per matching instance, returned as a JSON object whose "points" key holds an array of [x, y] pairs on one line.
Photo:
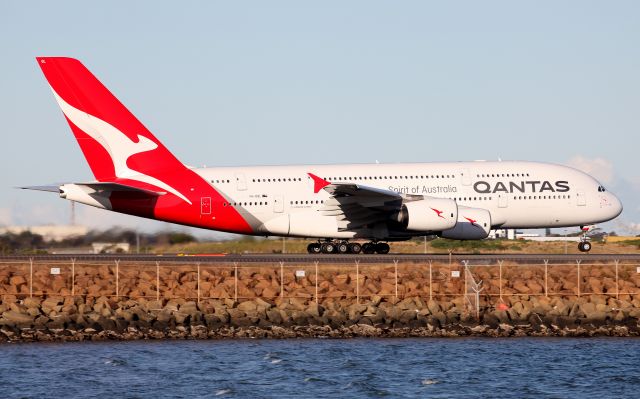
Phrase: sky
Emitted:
{"points": [[263, 83]]}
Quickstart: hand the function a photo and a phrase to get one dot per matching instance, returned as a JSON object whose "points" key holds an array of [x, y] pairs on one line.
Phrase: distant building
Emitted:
{"points": [[509, 234], [49, 232]]}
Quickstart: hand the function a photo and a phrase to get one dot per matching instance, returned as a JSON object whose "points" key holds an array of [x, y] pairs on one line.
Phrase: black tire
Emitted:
{"points": [[586, 246], [580, 247], [368, 248], [343, 247], [328, 248], [382, 248], [314, 248], [355, 248]]}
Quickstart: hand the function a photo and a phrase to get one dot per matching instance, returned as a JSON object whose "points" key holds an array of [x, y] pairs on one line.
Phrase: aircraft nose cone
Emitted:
{"points": [[616, 206]]}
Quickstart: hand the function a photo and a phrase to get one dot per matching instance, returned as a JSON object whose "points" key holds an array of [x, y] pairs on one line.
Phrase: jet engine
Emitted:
{"points": [[428, 214], [473, 224]]}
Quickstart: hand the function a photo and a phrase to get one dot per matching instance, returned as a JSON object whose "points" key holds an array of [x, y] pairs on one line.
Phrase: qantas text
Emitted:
{"points": [[535, 186]]}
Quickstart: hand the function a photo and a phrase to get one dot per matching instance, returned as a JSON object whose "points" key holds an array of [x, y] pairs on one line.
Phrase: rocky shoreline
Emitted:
{"points": [[104, 318]]}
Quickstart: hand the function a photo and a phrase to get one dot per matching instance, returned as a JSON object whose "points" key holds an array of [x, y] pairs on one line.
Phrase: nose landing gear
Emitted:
{"points": [[584, 245], [345, 247]]}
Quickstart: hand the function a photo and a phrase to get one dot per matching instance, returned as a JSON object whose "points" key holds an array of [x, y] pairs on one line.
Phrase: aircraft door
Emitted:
{"points": [[582, 199], [205, 205], [241, 182], [465, 176], [502, 200], [278, 204]]}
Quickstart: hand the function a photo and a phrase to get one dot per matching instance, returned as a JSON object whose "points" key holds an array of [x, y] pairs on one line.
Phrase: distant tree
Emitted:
{"points": [[181, 238]]}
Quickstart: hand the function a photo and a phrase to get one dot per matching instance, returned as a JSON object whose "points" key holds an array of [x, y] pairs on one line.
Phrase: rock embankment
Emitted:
{"points": [[58, 318]]}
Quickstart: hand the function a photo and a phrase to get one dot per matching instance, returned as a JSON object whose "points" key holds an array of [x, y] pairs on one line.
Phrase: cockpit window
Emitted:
{"points": [[601, 189]]}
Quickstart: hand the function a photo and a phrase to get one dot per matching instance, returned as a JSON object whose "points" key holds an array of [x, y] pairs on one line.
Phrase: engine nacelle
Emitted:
{"points": [[84, 195], [429, 214], [473, 224]]}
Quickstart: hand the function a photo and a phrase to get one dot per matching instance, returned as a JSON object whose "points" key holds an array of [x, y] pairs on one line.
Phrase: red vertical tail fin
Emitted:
{"points": [[114, 142], [119, 149]]}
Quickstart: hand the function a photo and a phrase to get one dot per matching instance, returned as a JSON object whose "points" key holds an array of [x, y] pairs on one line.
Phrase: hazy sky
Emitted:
{"points": [[250, 83]]}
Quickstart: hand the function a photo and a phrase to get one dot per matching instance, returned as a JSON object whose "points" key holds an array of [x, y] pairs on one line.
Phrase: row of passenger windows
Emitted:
{"points": [[276, 180], [524, 197], [472, 199], [350, 178], [312, 202], [387, 177], [503, 175], [259, 203]]}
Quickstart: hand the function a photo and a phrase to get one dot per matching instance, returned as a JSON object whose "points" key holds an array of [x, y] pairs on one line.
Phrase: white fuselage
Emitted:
{"points": [[280, 200]]}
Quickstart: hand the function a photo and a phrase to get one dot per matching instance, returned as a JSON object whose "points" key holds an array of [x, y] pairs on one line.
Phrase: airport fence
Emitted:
{"points": [[479, 284]]}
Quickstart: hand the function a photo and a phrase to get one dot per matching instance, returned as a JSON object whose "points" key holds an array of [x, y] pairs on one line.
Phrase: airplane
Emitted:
{"points": [[337, 205]]}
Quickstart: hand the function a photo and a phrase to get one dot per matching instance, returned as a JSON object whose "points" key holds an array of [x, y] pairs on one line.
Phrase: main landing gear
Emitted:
{"points": [[345, 247]]}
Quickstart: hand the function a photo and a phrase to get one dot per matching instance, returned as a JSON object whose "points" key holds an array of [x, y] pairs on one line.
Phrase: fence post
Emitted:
{"points": [[157, 281], [395, 265], [500, 262], [282, 280], [466, 266], [235, 282], [316, 262], [617, 286], [30, 277], [546, 278], [117, 278], [430, 281], [357, 282], [578, 262], [198, 283], [73, 276]]}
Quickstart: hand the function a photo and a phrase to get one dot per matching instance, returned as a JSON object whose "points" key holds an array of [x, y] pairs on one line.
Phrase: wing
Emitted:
{"points": [[356, 206]]}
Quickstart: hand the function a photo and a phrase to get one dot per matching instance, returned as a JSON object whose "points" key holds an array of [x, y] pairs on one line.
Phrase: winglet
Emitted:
{"points": [[318, 183]]}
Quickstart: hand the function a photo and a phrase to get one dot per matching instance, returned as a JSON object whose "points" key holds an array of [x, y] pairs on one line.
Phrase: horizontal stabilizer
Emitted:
{"points": [[108, 186], [52, 189], [97, 186]]}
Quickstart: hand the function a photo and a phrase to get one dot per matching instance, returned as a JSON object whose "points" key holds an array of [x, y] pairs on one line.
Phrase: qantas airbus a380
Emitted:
{"points": [[336, 204]]}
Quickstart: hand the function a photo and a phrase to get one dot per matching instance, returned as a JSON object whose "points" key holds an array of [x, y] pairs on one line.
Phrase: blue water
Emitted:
{"points": [[356, 368]]}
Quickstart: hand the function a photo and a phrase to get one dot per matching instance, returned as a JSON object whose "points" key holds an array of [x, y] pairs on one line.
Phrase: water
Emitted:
{"points": [[356, 368]]}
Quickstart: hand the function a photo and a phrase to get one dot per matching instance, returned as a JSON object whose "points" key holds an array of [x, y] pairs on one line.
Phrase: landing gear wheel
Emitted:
{"points": [[328, 248], [584, 246], [368, 248], [355, 248], [343, 247], [382, 248], [314, 248]]}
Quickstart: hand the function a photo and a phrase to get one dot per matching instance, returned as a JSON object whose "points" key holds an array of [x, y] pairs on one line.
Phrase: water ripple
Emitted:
{"points": [[358, 368]]}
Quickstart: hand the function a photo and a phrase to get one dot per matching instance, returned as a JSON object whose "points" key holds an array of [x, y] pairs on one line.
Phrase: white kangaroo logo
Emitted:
{"points": [[119, 146]]}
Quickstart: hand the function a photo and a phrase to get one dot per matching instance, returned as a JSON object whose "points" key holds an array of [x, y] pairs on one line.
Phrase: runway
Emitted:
{"points": [[334, 259]]}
